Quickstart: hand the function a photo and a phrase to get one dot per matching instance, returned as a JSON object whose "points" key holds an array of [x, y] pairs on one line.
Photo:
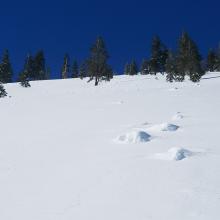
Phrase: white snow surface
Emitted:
{"points": [[59, 160]]}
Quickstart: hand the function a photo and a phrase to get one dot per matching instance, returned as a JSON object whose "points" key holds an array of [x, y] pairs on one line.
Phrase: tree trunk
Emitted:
{"points": [[96, 81]]}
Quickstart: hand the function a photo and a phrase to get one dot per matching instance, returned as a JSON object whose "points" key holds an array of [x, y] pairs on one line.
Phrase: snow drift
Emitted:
{"points": [[133, 137], [163, 127], [174, 154], [177, 116]]}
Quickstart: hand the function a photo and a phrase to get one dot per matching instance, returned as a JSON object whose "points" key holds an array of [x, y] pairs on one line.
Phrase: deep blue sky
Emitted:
{"points": [[127, 27]]}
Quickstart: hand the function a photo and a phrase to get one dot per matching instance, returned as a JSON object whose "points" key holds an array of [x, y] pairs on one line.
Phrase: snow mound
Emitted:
{"points": [[175, 154], [163, 127], [134, 137], [177, 116]]}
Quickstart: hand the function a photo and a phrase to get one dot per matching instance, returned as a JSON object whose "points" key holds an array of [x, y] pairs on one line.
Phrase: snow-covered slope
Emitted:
{"points": [[136, 148]]}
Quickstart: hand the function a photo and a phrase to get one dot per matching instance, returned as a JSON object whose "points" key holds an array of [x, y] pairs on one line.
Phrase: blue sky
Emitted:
{"points": [[64, 26]]}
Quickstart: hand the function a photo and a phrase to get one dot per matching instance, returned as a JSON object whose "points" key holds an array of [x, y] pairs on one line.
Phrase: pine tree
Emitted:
{"points": [[98, 67], [170, 67], [188, 59], [158, 56], [218, 59], [83, 70], [155, 56], [195, 69], [29, 66], [183, 56], [163, 59], [24, 80], [108, 73], [6, 71], [212, 61], [75, 69], [39, 67], [66, 67], [48, 72], [127, 69], [26, 72], [3, 93], [144, 67], [133, 70]]}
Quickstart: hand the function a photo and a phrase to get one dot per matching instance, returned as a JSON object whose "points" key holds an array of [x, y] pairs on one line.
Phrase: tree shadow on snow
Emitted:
{"points": [[211, 77]]}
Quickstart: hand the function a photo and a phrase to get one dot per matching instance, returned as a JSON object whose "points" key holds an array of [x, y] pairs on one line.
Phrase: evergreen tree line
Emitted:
{"points": [[95, 67], [185, 61]]}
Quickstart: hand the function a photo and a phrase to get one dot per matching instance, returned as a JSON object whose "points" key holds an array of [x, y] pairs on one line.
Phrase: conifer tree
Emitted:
{"points": [[212, 61], [158, 56], [144, 67], [29, 66], [133, 70], [48, 72], [83, 70], [3, 93], [24, 80], [66, 67], [6, 71], [75, 69], [127, 69], [98, 67], [26, 72], [183, 56], [170, 67], [195, 68], [39, 66], [163, 59], [188, 59], [218, 58], [155, 56], [108, 73]]}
